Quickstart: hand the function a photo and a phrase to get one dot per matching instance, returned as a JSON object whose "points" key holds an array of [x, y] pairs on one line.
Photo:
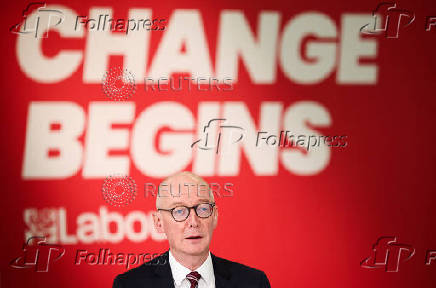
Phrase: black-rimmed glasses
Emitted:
{"points": [[181, 213]]}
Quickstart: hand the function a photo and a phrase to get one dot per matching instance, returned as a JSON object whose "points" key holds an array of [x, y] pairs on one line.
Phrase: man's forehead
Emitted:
{"points": [[183, 190], [184, 179], [171, 194]]}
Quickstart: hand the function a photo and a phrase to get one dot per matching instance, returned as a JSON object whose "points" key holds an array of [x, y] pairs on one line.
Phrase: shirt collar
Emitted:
{"points": [[179, 271]]}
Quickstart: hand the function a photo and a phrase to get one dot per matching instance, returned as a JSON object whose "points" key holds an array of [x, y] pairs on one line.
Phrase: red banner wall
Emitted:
{"points": [[308, 216]]}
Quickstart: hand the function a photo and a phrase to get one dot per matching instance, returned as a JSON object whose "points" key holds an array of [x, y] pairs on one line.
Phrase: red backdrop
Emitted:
{"points": [[306, 218]]}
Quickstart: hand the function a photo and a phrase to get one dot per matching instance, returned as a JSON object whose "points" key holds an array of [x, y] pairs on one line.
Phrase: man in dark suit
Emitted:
{"points": [[188, 263]]}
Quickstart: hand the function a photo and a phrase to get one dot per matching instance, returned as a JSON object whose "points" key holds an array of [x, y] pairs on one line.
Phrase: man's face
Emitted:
{"points": [[192, 236]]}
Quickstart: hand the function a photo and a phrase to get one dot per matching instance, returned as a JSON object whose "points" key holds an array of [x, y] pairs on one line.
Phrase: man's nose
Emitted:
{"points": [[193, 219]]}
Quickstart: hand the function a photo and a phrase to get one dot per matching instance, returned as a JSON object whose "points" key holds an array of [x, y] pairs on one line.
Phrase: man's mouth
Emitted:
{"points": [[194, 237]]}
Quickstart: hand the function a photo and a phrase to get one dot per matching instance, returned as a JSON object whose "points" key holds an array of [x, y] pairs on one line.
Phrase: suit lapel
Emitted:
{"points": [[222, 274], [165, 278]]}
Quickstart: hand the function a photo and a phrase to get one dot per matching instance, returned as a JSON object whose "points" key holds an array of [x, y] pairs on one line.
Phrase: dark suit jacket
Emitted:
{"points": [[157, 273]]}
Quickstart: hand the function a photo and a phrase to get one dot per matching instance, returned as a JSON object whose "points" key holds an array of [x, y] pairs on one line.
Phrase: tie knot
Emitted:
{"points": [[193, 277]]}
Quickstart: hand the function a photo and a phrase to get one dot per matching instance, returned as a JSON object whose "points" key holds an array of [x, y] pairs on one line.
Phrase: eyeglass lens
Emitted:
{"points": [[202, 210]]}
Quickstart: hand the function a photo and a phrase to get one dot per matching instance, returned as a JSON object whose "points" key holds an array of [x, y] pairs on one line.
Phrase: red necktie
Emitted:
{"points": [[193, 278]]}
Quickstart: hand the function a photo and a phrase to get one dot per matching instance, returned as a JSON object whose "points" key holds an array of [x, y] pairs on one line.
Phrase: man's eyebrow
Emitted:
{"points": [[178, 204], [204, 200], [184, 204]]}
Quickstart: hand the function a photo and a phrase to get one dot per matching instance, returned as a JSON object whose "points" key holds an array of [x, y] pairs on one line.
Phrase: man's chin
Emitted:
{"points": [[195, 249]]}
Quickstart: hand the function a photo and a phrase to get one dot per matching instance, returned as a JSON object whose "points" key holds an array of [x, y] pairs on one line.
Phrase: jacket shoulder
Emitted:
{"points": [[139, 272], [146, 273], [241, 270]]}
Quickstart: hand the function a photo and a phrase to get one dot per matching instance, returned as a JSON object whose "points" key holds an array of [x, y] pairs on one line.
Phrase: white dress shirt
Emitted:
{"points": [[179, 272]]}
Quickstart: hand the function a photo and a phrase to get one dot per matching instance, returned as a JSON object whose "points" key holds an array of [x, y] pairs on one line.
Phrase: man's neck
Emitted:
{"points": [[192, 262]]}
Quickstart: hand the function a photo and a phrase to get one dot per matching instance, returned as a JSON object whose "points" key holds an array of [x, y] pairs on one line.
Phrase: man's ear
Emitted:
{"points": [[157, 221], [215, 217]]}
